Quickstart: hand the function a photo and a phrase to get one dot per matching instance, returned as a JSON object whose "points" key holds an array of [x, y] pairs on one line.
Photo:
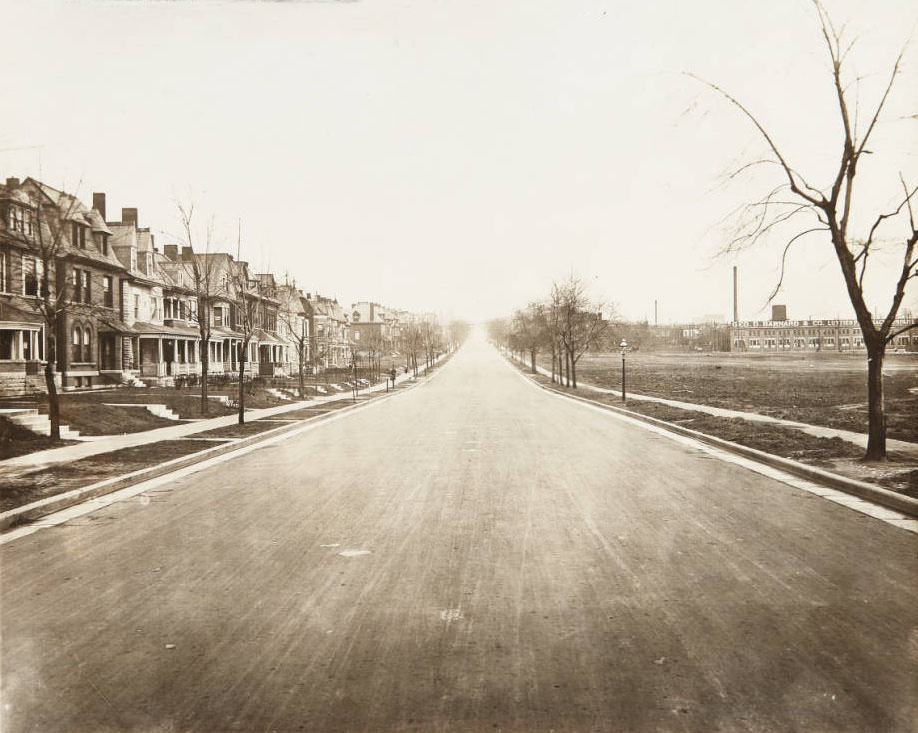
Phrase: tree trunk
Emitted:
{"points": [[205, 367], [300, 375], [532, 356], [242, 391], [54, 401], [573, 372], [876, 415], [553, 363]]}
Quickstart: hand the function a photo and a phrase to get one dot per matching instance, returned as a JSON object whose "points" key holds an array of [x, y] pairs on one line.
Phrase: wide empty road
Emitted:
{"points": [[473, 554]]}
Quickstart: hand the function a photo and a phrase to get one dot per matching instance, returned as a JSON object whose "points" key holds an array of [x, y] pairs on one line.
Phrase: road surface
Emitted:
{"points": [[470, 555]]}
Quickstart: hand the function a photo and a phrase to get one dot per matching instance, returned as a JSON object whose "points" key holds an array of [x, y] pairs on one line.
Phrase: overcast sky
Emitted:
{"points": [[457, 155]]}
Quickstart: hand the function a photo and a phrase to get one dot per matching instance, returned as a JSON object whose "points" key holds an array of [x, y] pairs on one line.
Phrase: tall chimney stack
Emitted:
{"points": [[735, 303], [98, 203], [129, 216]]}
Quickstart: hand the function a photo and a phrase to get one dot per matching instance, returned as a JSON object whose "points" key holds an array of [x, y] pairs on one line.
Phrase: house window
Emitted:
{"points": [[107, 297], [30, 273], [87, 344], [136, 306], [218, 316], [20, 220], [86, 282], [4, 271], [77, 340], [78, 236]]}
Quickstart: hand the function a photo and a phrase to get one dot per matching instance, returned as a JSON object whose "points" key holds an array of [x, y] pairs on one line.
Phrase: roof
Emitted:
{"points": [[72, 209]]}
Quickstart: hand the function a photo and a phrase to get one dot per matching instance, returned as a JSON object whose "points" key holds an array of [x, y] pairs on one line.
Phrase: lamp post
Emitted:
{"points": [[624, 347]]}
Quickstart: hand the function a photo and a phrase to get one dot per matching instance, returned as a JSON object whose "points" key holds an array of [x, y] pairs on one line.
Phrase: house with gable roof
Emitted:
{"points": [[56, 256]]}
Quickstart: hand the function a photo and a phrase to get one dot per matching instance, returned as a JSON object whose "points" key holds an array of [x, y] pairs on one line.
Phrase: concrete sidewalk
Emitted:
{"points": [[901, 447], [109, 443]]}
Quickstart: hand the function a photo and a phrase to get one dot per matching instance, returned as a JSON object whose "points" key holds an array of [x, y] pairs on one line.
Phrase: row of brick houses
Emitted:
{"points": [[105, 305]]}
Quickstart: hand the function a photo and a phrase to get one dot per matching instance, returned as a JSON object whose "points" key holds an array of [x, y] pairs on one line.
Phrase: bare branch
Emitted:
{"points": [[784, 259], [795, 187]]}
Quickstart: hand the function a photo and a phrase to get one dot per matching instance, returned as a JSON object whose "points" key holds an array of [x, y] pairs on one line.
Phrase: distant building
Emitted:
{"points": [[812, 335]]}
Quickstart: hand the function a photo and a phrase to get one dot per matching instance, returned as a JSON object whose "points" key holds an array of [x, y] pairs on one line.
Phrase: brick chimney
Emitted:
{"points": [[187, 253], [171, 251], [98, 203], [129, 216], [12, 182]]}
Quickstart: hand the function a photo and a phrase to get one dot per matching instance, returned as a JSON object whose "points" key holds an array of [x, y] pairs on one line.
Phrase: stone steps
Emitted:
{"points": [[32, 419], [153, 408]]}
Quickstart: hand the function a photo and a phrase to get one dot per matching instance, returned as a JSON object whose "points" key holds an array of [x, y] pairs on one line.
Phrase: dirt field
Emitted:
{"points": [[821, 389]]}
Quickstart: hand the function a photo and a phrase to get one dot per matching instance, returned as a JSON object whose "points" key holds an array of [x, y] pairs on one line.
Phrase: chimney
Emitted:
{"points": [[171, 251], [12, 182], [129, 216], [735, 305], [187, 253], [779, 313], [98, 203]]}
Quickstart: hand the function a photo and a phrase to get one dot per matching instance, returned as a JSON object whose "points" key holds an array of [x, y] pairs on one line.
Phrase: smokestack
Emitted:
{"points": [[655, 312], [129, 216], [735, 305], [98, 203]]}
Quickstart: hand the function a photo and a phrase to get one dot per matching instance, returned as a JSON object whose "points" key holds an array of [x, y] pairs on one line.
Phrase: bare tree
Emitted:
{"points": [[579, 322], [44, 236], [374, 345], [412, 341], [292, 317], [246, 301], [432, 340], [206, 286], [531, 328], [828, 211], [499, 331]]}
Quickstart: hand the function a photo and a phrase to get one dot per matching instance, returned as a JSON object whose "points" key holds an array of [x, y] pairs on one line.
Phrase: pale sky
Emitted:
{"points": [[459, 155]]}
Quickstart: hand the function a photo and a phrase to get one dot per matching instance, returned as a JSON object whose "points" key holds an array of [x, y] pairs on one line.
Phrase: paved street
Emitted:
{"points": [[473, 554]]}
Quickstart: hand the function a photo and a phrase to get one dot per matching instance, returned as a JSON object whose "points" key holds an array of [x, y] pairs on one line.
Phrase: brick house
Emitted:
{"points": [[59, 279], [330, 329]]}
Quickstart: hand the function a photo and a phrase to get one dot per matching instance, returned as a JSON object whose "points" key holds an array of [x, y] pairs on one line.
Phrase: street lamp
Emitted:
{"points": [[624, 347]]}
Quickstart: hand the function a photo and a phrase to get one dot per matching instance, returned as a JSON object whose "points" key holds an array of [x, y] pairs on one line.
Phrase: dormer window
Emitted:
{"points": [[79, 236], [20, 220]]}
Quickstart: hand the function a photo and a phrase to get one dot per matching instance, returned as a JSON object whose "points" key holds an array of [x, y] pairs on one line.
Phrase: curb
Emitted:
{"points": [[861, 489], [51, 504]]}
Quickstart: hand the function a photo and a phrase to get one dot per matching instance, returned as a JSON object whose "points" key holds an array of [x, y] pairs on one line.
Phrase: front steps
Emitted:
{"points": [[32, 419]]}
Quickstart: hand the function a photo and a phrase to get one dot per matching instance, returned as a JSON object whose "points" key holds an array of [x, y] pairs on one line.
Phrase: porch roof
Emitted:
{"points": [[113, 324], [263, 337], [157, 329]]}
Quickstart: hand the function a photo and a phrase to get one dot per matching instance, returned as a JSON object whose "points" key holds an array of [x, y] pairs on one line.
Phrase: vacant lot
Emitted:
{"points": [[820, 389]]}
